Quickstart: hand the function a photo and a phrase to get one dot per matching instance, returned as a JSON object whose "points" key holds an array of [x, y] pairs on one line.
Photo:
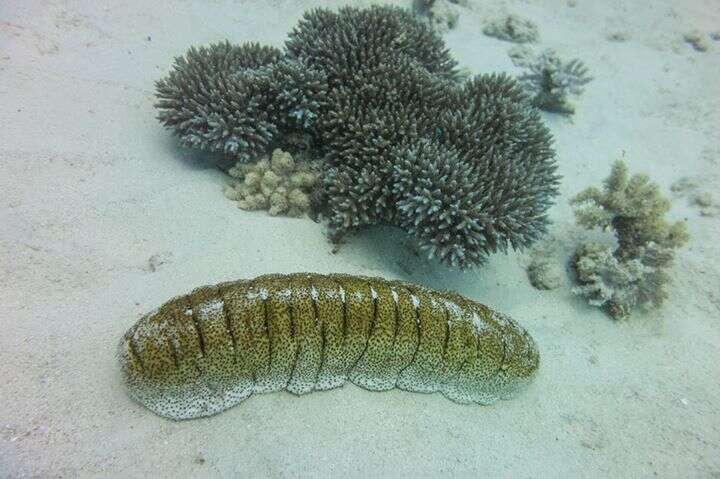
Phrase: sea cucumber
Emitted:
{"points": [[204, 352]]}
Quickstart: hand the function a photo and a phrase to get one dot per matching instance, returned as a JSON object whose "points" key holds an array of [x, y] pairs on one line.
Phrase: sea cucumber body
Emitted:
{"points": [[206, 351]]}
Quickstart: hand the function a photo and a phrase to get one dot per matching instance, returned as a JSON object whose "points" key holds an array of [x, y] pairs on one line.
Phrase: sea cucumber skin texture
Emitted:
{"points": [[206, 351]]}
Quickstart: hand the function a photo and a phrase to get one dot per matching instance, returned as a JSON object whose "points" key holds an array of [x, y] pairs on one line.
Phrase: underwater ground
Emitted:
{"points": [[104, 217]]}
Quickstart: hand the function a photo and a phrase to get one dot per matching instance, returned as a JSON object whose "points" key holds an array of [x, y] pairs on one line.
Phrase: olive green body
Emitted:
{"points": [[206, 351]]}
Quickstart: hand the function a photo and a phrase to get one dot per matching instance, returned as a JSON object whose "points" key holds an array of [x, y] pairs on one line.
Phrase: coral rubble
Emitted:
{"points": [[544, 270], [617, 36], [157, 260], [513, 28], [696, 40], [465, 166], [634, 273], [698, 197], [441, 15], [544, 274], [280, 185], [550, 80]]}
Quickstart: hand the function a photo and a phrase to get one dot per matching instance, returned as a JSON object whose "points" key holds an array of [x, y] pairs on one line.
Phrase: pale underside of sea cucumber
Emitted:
{"points": [[206, 351]]}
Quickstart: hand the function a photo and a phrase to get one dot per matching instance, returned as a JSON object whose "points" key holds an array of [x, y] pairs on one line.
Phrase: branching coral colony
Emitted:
{"points": [[550, 81], [635, 273], [466, 167]]}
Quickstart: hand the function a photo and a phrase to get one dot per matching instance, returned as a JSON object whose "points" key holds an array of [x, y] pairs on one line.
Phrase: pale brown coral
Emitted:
{"points": [[278, 184], [635, 273]]}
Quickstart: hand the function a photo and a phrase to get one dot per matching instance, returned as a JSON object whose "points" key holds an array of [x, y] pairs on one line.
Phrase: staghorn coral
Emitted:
{"points": [[513, 28], [634, 273], [348, 41], [238, 99], [295, 94], [211, 102], [549, 81], [376, 95], [279, 185], [206, 351], [486, 195]]}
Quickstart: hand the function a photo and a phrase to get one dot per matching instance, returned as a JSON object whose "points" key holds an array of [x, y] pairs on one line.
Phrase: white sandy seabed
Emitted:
{"points": [[92, 187]]}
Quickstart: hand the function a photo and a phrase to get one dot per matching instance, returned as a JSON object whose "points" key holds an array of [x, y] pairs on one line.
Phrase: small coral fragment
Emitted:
{"points": [[703, 199], [513, 28], [617, 36], [550, 80], [545, 271], [157, 260], [683, 185], [280, 185], [236, 99], [635, 273], [441, 15], [696, 40], [544, 274], [521, 55]]}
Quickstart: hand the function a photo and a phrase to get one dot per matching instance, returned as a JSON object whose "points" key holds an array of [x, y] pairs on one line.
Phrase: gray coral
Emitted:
{"points": [[465, 181], [296, 94], [237, 100], [550, 81], [212, 103], [439, 202], [635, 272], [344, 42], [466, 167]]}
